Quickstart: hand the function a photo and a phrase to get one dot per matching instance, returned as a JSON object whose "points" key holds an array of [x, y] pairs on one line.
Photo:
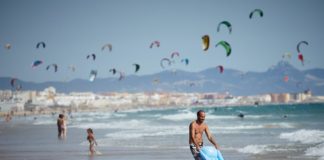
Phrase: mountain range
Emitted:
{"points": [[280, 78]]}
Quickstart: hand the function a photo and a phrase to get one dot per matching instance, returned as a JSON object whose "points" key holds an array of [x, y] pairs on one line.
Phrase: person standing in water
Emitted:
{"points": [[196, 131], [61, 126], [92, 141]]}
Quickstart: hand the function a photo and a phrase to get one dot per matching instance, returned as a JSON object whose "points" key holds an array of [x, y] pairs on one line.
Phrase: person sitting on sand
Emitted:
{"points": [[196, 131], [92, 141]]}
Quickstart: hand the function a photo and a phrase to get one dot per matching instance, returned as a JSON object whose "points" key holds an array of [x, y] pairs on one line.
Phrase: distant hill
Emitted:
{"points": [[280, 78]]}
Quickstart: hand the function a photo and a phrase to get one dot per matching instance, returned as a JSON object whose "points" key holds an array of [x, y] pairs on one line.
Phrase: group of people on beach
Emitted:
{"points": [[196, 130], [62, 130]]}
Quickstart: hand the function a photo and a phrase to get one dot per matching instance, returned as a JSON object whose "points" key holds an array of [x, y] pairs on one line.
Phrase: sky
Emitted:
{"points": [[73, 29]]}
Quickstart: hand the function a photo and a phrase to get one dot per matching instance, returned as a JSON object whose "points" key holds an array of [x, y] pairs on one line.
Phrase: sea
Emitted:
{"points": [[266, 132]]}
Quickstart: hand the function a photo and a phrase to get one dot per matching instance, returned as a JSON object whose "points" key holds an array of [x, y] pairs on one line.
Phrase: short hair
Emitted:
{"points": [[61, 115], [199, 112], [90, 130]]}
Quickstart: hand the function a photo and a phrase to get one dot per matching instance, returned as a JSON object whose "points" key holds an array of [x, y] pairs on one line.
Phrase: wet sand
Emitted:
{"points": [[25, 141]]}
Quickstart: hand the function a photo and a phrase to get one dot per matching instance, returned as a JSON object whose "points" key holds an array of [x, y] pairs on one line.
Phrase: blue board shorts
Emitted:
{"points": [[194, 151]]}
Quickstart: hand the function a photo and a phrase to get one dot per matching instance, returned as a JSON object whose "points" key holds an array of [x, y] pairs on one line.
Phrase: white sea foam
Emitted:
{"points": [[142, 109], [91, 125], [83, 119], [279, 125], [316, 151], [179, 116], [97, 115], [151, 116], [188, 115], [108, 142], [263, 149], [149, 131], [221, 117], [253, 149], [128, 124], [251, 126], [257, 116], [239, 127], [304, 136], [44, 122], [119, 115]]}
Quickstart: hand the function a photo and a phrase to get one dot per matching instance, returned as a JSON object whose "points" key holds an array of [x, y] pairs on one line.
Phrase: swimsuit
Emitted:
{"points": [[194, 151]]}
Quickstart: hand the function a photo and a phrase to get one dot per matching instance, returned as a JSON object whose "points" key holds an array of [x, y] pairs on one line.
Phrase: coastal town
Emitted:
{"points": [[49, 100]]}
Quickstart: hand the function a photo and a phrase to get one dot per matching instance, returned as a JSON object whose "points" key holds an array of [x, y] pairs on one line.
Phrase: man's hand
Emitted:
{"points": [[197, 148]]}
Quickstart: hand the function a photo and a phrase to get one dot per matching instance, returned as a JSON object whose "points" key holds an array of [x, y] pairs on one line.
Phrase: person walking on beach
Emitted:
{"points": [[61, 126], [92, 141], [196, 131]]}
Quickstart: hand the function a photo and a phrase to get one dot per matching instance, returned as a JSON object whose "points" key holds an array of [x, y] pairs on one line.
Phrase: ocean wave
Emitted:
{"points": [[304, 136], [104, 142], [240, 127], [263, 149], [97, 115], [44, 122], [149, 131], [119, 115], [258, 116], [83, 119], [150, 116], [316, 151], [258, 126], [142, 109], [91, 125], [188, 115], [129, 124], [179, 116], [279, 125], [253, 149]]}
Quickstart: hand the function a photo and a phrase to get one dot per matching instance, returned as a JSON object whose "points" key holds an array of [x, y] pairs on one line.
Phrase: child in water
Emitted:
{"points": [[61, 125], [92, 141]]}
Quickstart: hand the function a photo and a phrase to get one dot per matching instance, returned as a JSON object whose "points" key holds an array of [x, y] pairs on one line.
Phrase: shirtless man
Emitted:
{"points": [[196, 131]]}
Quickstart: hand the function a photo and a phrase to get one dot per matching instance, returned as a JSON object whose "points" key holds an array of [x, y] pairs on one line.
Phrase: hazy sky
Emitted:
{"points": [[72, 29]]}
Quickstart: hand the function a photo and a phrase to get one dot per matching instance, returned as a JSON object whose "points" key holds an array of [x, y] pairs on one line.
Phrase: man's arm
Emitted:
{"points": [[211, 138], [192, 136]]}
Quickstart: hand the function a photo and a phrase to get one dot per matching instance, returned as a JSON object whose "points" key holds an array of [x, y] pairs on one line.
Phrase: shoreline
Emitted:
{"points": [[68, 110], [121, 135]]}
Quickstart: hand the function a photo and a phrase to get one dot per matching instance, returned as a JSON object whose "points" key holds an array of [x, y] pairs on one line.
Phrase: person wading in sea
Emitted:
{"points": [[196, 131]]}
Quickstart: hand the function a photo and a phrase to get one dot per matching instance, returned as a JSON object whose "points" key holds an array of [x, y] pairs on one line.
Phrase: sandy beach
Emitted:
{"points": [[29, 142], [162, 134]]}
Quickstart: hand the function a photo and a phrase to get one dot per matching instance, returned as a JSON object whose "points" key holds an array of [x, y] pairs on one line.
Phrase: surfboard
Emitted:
{"points": [[210, 153]]}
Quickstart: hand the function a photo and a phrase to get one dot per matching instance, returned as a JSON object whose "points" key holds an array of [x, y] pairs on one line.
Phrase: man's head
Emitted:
{"points": [[200, 116]]}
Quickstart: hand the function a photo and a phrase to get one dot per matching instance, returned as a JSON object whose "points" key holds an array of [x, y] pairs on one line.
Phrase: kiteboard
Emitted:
{"points": [[210, 153]]}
